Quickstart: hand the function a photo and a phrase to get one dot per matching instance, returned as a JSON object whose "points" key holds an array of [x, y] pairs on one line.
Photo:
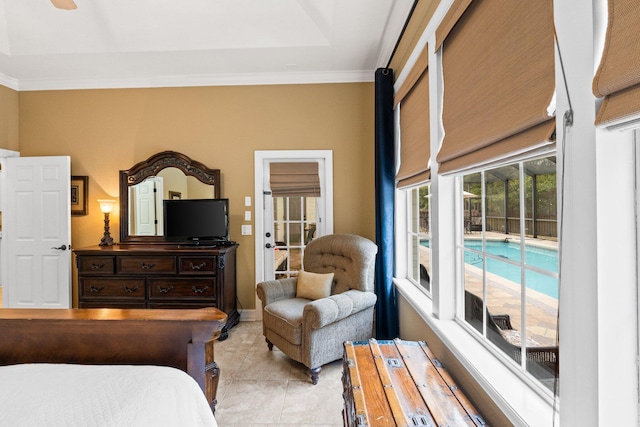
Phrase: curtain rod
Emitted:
{"points": [[404, 27]]}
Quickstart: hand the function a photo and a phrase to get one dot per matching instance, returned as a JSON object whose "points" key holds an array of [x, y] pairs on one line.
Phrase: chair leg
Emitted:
{"points": [[269, 344], [315, 375]]}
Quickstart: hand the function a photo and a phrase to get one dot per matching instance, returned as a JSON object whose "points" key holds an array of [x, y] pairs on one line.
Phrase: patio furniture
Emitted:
{"points": [[542, 361]]}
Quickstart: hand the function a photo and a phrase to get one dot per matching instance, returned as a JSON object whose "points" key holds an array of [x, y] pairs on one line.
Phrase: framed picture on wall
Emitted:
{"points": [[175, 195], [79, 195]]}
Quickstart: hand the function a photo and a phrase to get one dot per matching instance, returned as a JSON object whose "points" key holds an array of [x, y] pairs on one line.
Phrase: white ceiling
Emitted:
{"points": [[154, 43]]}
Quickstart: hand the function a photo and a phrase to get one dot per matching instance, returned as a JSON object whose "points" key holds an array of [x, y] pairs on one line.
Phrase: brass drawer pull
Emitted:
{"points": [[95, 289], [130, 290], [199, 290], [165, 290], [96, 266], [197, 267], [147, 266]]}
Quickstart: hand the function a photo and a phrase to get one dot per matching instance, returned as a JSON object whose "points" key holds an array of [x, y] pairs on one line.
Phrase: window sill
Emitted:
{"points": [[520, 401]]}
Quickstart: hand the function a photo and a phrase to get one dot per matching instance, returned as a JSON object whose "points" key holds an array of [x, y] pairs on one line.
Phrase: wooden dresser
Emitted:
{"points": [[158, 276]]}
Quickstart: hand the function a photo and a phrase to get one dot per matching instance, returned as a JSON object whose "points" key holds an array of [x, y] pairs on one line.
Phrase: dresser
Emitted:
{"points": [[158, 276]]}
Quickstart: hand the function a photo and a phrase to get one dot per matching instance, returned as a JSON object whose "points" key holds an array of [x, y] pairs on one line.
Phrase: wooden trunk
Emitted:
{"points": [[401, 383]]}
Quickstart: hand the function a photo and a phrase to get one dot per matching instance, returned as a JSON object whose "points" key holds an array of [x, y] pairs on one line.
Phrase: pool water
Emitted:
{"points": [[542, 258]]}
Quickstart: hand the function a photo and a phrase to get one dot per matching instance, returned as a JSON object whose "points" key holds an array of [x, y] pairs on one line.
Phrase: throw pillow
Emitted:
{"points": [[313, 285]]}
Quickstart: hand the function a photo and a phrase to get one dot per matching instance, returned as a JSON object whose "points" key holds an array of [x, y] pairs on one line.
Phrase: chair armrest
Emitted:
{"points": [[324, 311], [502, 320], [543, 354], [276, 290]]}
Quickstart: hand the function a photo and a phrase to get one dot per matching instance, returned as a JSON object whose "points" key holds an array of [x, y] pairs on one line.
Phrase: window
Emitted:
{"points": [[419, 237], [509, 249]]}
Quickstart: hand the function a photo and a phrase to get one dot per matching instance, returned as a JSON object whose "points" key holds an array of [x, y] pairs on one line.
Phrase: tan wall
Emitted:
{"points": [[9, 124], [105, 131], [414, 328]]}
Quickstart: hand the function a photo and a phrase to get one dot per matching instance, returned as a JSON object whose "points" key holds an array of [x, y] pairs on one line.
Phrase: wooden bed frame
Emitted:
{"points": [[181, 339]]}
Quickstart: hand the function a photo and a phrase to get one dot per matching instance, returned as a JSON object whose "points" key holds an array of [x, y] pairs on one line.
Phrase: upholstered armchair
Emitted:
{"points": [[310, 316]]}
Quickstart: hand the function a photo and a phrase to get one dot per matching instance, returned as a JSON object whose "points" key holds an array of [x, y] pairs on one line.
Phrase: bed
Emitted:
{"points": [[108, 367]]}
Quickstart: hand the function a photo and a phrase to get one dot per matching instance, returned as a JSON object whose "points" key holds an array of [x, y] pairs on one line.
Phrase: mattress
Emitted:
{"points": [[65, 395]]}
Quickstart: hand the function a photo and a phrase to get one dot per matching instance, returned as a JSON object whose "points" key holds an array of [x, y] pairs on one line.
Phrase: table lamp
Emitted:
{"points": [[106, 206]]}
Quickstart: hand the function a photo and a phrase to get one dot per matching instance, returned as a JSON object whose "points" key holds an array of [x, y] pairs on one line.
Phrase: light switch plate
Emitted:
{"points": [[246, 230], [247, 200], [247, 215]]}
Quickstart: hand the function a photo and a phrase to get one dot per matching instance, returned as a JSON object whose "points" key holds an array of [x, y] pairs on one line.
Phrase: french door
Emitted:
{"points": [[293, 223], [285, 225]]}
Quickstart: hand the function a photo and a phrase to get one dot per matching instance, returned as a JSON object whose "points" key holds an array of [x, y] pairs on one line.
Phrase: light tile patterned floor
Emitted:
{"points": [[267, 389]]}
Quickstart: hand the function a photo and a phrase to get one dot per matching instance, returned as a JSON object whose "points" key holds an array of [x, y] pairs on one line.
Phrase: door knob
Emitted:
{"points": [[268, 246], [60, 248]]}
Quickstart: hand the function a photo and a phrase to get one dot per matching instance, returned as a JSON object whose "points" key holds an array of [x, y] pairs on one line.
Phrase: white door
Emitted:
{"points": [[145, 207], [36, 232], [284, 225]]}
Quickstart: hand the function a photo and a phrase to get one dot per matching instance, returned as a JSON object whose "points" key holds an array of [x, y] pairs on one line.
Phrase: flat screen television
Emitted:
{"points": [[196, 221]]}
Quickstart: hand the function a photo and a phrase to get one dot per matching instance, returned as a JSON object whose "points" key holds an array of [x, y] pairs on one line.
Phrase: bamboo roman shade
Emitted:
{"points": [[413, 97], [294, 179], [618, 76], [498, 73]]}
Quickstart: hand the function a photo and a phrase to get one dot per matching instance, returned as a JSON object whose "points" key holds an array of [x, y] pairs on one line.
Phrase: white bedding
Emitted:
{"points": [[60, 395]]}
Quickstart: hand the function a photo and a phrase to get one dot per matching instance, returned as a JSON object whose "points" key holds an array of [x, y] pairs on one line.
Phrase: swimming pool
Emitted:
{"points": [[542, 258]]}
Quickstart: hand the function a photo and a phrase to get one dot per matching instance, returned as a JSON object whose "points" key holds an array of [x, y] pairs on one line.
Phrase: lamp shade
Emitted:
{"points": [[106, 206]]}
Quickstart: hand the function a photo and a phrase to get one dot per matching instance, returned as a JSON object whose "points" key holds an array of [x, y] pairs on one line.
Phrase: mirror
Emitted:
{"points": [[166, 175]]}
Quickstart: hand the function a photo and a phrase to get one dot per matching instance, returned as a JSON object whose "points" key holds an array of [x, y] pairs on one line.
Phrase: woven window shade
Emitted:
{"points": [[414, 134], [295, 179], [618, 76], [416, 72], [498, 72], [452, 17]]}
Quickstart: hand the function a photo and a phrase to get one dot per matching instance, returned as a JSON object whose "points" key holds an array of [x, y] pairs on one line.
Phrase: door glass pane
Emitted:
{"points": [[294, 227]]}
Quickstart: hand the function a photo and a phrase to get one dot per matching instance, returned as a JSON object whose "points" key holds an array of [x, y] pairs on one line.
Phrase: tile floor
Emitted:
{"points": [[260, 388]]}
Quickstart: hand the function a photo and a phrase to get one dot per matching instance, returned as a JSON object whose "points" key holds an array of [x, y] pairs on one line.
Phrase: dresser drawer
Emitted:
{"points": [[172, 288], [104, 287], [113, 303], [146, 264], [96, 264], [197, 265]]}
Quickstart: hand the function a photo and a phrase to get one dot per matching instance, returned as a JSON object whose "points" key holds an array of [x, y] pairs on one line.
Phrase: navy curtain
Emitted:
{"points": [[387, 326]]}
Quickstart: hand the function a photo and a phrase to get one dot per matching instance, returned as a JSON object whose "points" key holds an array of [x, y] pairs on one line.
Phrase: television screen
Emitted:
{"points": [[196, 220]]}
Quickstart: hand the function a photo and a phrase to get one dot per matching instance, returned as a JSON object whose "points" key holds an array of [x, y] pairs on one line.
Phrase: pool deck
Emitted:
{"points": [[503, 296]]}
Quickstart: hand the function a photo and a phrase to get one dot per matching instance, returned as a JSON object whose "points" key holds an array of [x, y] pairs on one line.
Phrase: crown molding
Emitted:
{"points": [[358, 76], [8, 81]]}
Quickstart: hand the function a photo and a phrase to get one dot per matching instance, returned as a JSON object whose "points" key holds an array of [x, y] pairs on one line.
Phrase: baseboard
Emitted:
{"points": [[248, 316]]}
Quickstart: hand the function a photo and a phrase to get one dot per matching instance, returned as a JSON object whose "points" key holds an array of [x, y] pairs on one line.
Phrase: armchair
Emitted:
{"points": [[312, 332]]}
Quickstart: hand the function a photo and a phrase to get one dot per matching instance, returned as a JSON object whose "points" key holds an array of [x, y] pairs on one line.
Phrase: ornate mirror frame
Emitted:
{"points": [[150, 167]]}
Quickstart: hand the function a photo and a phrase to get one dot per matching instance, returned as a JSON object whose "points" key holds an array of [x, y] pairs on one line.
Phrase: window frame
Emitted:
{"points": [[481, 336], [410, 234]]}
